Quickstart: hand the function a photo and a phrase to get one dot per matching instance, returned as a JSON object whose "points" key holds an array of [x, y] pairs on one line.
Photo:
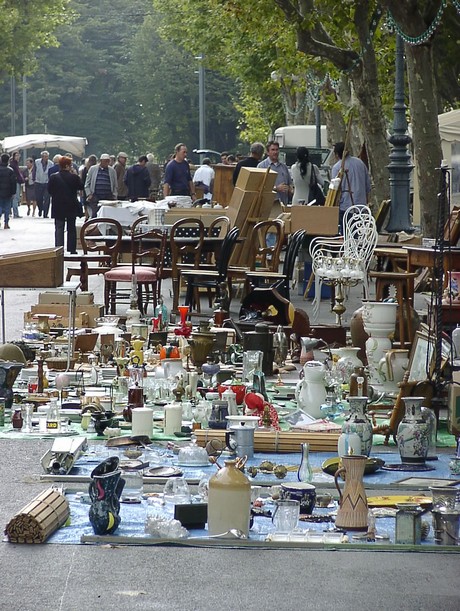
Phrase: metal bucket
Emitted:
{"points": [[446, 527]]}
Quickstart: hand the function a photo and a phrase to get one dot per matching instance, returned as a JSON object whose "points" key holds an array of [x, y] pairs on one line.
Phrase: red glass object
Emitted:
{"points": [[184, 329]]}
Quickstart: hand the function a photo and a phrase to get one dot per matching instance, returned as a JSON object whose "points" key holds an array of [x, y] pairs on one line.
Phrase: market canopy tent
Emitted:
{"points": [[71, 144]]}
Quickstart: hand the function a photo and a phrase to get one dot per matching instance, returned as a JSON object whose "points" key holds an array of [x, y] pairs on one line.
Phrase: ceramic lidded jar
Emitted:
{"points": [[358, 422], [229, 501], [413, 436]]}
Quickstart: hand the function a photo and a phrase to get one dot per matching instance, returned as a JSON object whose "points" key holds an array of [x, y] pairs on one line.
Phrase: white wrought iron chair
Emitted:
{"points": [[343, 261]]}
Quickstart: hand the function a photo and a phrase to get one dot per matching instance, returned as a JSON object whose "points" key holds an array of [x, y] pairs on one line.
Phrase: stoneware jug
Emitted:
{"points": [[229, 501], [310, 393], [352, 511]]}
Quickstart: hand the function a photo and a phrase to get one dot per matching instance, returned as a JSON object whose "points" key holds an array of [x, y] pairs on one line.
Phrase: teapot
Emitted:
{"points": [[310, 392]]}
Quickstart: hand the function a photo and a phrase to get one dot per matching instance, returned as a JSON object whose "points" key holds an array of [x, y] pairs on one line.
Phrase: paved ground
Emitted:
{"points": [[70, 578]]}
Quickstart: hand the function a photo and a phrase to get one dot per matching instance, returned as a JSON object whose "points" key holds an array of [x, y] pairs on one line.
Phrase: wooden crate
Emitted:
{"points": [[283, 442], [33, 269]]}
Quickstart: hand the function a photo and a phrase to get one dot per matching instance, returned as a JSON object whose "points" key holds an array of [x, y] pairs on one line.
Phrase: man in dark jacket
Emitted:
{"points": [[7, 188], [63, 187], [138, 180]]}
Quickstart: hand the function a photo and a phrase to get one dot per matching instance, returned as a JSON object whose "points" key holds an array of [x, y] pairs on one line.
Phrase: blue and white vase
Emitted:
{"points": [[413, 436], [358, 422]]}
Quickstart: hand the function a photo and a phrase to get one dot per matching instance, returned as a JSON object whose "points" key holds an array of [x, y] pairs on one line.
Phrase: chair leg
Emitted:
{"points": [[113, 297], [106, 296]]}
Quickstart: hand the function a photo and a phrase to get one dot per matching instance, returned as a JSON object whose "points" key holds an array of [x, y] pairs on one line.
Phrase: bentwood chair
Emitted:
{"points": [[279, 280], [267, 238], [97, 248], [147, 256], [186, 244], [210, 278]]}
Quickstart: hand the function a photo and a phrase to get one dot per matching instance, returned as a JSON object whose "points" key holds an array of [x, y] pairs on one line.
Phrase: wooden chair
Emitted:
{"points": [[185, 254], [279, 280], [104, 253], [146, 266], [267, 238], [210, 278]]}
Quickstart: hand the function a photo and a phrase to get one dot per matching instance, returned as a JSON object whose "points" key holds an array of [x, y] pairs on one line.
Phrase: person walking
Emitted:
{"points": [[355, 185], [301, 172], [30, 186], [137, 179], [7, 188], [101, 183], [40, 177], [63, 187], [14, 164]]}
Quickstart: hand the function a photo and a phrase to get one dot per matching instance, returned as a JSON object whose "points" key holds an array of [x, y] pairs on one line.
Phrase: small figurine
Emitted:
{"points": [[255, 405]]}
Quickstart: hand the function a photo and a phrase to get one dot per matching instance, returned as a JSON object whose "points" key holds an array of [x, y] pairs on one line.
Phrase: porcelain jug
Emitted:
{"points": [[352, 511], [310, 393]]}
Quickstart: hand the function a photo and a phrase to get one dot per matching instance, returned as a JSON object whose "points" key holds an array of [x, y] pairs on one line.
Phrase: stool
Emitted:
{"points": [[404, 285]]}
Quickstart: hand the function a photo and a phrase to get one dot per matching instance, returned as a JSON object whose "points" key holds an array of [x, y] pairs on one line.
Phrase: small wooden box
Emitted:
{"points": [[33, 269], [316, 220], [251, 179]]}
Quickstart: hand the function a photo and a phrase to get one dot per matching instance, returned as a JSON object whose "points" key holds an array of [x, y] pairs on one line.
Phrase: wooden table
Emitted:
{"points": [[419, 256]]}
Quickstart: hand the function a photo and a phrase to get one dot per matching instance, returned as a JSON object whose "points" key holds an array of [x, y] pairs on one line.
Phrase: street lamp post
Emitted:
{"points": [[201, 104], [400, 165]]}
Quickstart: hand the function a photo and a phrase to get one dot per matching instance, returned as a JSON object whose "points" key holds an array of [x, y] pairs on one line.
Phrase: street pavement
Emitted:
{"points": [[75, 577]]}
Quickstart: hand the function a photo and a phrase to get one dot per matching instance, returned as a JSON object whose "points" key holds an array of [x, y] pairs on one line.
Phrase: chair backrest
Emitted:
{"points": [[292, 250], [219, 227], [360, 234], [267, 240], [226, 252], [112, 228], [148, 245], [183, 252]]}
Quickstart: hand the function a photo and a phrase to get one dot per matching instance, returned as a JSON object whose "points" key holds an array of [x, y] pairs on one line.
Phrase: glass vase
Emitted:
{"points": [[305, 472]]}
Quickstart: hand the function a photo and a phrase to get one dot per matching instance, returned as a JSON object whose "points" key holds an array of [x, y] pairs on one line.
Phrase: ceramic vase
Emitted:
{"points": [[348, 361], [358, 422], [353, 509], [310, 392], [379, 320], [105, 490], [413, 436]]}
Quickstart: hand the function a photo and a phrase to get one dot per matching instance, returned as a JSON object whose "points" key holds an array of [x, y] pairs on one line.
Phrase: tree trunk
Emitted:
{"points": [[425, 131]]}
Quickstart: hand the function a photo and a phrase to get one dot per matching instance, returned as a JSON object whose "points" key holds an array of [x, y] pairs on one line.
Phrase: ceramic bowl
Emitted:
{"points": [[331, 465], [302, 492]]}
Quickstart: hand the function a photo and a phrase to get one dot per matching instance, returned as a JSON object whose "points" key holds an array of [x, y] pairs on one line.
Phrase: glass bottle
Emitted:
{"points": [[305, 472], [53, 417]]}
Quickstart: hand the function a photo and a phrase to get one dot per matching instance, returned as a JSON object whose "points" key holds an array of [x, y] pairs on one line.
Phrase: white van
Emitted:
{"points": [[291, 137]]}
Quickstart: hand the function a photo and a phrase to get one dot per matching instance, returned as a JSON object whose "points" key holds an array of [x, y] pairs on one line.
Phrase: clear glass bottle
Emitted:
{"points": [[53, 417], [305, 472]]}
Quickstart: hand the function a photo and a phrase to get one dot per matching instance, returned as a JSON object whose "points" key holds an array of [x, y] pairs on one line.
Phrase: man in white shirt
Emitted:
{"points": [[204, 178]]}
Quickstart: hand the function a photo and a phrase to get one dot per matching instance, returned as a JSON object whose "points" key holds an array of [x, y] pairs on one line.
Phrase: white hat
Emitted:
{"points": [[104, 156]]}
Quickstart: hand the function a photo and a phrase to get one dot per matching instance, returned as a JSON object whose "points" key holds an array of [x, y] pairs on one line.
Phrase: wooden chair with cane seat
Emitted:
{"points": [[95, 250], [147, 256], [267, 239]]}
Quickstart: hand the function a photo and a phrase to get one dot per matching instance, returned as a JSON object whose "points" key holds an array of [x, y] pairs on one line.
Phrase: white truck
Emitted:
{"points": [[291, 137]]}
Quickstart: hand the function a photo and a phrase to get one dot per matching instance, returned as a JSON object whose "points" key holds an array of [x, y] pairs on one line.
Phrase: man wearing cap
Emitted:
{"points": [[40, 178], [120, 169], [101, 183]]}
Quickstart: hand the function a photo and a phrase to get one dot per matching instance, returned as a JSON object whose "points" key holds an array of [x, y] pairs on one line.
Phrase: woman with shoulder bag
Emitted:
{"points": [[307, 180], [63, 186]]}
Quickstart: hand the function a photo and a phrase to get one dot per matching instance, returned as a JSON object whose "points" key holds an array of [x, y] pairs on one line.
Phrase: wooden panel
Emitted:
{"points": [[223, 183], [33, 269]]}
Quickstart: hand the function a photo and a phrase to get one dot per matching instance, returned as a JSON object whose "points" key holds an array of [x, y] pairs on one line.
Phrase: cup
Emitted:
{"points": [[176, 491], [286, 515], [302, 492], [134, 486], [32, 386]]}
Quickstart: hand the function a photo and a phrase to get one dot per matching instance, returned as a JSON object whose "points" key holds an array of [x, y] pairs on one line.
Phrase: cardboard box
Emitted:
{"points": [[315, 220], [83, 298], [33, 269], [92, 311], [251, 179]]}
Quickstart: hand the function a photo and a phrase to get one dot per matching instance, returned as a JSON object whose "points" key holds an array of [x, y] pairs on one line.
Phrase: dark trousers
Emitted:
{"points": [[43, 198], [59, 226]]}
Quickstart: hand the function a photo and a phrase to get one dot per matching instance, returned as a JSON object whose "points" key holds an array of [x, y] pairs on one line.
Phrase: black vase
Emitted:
{"points": [[102, 420], [105, 490]]}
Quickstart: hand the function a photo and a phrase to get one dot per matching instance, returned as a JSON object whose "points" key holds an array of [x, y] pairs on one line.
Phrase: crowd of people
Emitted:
{"points": [[67, 191]]}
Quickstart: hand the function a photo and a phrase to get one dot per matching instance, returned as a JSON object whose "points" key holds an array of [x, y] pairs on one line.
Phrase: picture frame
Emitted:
{"points": [[421, 357]]}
